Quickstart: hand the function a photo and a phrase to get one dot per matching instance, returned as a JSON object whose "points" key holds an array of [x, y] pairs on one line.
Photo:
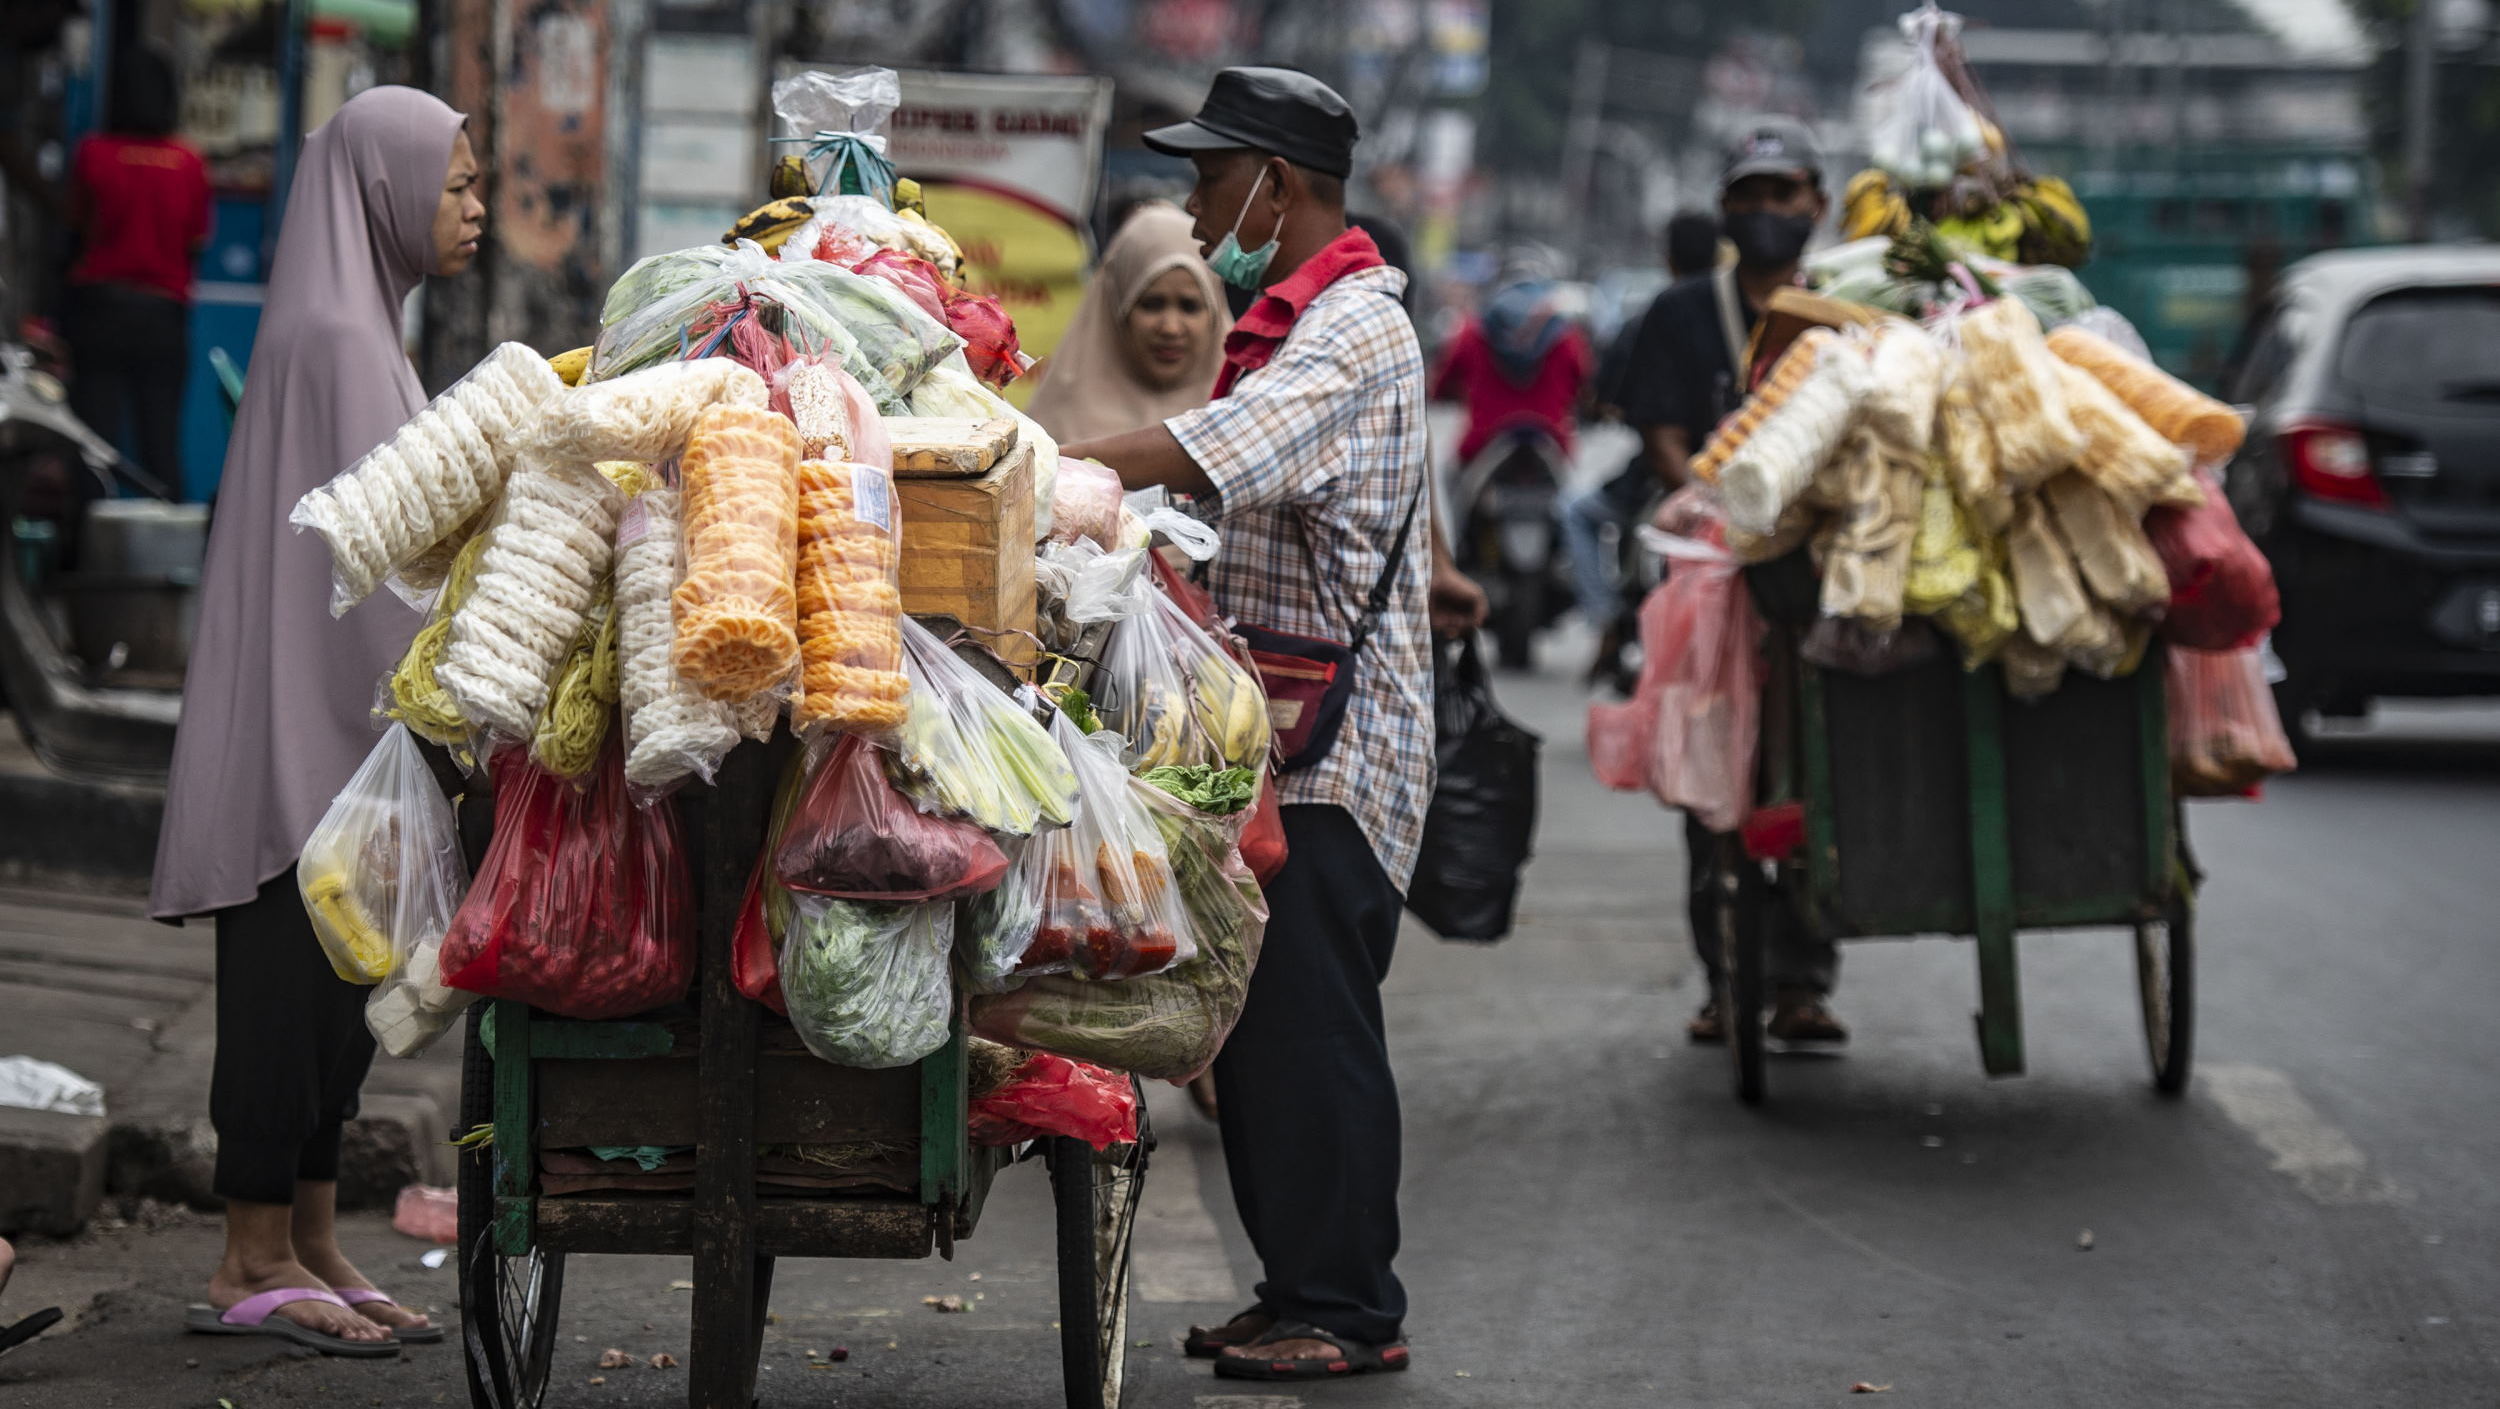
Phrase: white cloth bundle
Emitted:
{"points": [[643, 415], [416, 489], [545, 556], [671, 731], [1763, 476]]}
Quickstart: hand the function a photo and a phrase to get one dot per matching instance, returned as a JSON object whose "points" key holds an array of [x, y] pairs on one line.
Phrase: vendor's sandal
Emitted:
{"points": [[257, 1316], [1803, 1018], [11, 1337], [1707, 1027], [1203, 1343], [1352, 1358], [406, 1335]]}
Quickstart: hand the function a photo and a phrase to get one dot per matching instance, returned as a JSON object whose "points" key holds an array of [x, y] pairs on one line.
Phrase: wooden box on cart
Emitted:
{"points": [[967, 507]]}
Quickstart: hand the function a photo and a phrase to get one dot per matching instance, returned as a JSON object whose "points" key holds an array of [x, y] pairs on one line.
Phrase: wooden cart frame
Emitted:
{"points": [[733, 1079], [1935, 803]]}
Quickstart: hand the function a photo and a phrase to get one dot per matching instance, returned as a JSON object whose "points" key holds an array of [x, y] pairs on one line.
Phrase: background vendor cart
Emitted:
{"points": [[1934, 802]]}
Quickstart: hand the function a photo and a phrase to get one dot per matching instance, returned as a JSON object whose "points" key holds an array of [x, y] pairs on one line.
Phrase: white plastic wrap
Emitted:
{"points": [[1924, 132], [643, 415], [545, 555], [851, 103], [1767, 473], [671, 731], [435, 474]]}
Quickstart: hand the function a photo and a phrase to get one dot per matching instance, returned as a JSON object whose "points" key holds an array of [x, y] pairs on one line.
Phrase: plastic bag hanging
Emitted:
{"points": [[1176, 697], [2226, 736], [840, 118], [1109, 902], [1051, 1095], [967, 749], [867, 984], [850, 602], [1927, 132], [381, 873], [854, 837]]}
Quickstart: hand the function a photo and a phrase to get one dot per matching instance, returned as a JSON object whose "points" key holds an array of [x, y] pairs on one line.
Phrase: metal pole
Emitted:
{"points": [[2421, 103], [290, 119]]}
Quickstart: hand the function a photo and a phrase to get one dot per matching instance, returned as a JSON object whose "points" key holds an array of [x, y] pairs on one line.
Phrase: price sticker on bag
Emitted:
{"points": [[874, 494]]}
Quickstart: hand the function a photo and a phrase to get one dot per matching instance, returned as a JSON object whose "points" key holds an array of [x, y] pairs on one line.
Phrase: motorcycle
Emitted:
{"points": [[1508, 539]]}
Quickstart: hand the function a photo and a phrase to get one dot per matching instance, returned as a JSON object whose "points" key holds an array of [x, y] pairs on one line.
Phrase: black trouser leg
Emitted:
{"points": [[132, 351], [1795, 959], [1304, 1092], [292, 1050]]}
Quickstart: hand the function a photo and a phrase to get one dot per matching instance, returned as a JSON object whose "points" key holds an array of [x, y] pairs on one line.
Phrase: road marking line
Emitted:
{"points": [[1179, 1253], [2322, 1160]]}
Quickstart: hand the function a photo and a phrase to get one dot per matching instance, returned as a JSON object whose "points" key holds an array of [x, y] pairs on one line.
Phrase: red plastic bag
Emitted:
{"points": [[2222, 593], [2225, 736], [855, 836], [990, 342], [916, 277], [764, 912], [1689, 730], [1051, 1095], [584, 905]]}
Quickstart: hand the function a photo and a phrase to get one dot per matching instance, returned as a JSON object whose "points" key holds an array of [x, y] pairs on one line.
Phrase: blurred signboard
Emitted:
{"points": [[1009, 164]]}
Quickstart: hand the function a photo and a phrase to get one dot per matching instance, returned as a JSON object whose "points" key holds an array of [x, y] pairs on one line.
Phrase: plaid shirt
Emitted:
{"points": [[1316, 457]]}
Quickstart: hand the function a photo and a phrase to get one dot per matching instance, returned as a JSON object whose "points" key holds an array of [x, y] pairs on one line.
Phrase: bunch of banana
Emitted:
{"points": [[1232, 710], [571, 365], [1165, 724], [1996, 231], [907, 197], [789, 178], [2055, 228], [1872, 205], [772, 222]]}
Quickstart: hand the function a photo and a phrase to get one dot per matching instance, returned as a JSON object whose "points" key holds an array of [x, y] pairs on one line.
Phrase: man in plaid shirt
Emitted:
{"points": [[1315, 460]]}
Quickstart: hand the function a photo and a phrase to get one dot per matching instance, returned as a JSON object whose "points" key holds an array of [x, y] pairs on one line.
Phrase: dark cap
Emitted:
{"points": [[1772, 146], [1273, 110]]}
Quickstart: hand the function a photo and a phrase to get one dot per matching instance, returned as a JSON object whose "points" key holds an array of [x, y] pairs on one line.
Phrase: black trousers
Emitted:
{"points": [[1308, 1104], [1792, 958], [132, 349], [292, 1050]]}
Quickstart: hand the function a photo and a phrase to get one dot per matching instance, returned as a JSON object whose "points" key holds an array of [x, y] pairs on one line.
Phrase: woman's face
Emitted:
{"points": [[1167, 329], [460, 216]]}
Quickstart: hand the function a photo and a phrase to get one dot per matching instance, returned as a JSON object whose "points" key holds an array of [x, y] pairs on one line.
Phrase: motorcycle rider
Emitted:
{"points": [[1687, 374]]}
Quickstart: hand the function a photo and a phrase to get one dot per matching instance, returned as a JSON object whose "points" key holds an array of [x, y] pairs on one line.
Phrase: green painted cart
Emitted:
{"points": [[728, 1077], [1935, 803]]}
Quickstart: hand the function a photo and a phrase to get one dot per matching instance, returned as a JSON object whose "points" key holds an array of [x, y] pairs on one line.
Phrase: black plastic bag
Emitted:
{"points": [[1482, 824]]}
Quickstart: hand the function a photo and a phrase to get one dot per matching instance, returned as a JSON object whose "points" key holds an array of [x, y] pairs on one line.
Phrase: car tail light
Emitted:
{"points": [[2332, 462]]}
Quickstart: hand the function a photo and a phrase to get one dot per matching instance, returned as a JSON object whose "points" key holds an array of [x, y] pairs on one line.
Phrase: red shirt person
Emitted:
{"points": [[1522, 365], [139, 200]]}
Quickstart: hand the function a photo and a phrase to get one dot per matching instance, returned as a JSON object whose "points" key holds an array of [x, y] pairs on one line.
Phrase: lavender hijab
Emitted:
{"points": [[276, 711]]}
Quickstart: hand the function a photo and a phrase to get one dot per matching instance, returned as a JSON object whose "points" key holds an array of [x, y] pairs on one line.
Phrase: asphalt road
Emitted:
{"points": [[1592, 1220]]}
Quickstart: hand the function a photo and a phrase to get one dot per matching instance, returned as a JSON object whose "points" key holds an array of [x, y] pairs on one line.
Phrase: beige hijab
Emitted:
{"points": [[1087, 389], [277, 709]]}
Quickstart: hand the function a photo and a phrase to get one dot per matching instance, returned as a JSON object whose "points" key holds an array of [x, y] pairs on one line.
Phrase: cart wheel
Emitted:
{"points": [[2165, 976], [1740, 974], [1096, 1193], [508, 1305]]}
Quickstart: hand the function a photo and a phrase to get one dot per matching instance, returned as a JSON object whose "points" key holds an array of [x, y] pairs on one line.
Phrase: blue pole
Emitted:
{"points": [[290, 123]]}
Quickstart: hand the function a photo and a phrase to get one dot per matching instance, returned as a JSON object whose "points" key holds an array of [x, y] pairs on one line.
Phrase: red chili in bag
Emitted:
{"points": [[584, 905]]}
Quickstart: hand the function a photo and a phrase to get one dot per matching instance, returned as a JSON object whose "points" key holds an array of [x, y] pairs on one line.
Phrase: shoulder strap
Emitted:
{"points": [[1378, 602], [1724, 296]]}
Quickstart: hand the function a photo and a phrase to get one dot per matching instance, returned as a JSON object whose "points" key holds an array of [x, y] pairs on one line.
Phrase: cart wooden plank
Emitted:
{"points": [[894, 1228]]}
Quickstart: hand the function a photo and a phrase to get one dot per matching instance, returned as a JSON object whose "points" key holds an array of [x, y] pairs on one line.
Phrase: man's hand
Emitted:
{"points": [[1458, 604]]}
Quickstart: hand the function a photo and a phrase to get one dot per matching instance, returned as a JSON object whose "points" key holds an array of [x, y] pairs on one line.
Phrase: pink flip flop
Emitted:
{"points": [[407, 1335], [252, 1317]]}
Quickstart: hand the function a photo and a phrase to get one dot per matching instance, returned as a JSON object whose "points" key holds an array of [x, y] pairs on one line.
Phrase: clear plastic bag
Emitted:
{"points": [[1923, 131], [841, 116], [413, 692], [434, 475], [1176, 697], [848, 229], [1051, 1095], [969, 750], [855, 838], [867, 984], [850, 602], [2225, 734], [584, 905], [671, 731], [1798, 419], [997, 928], [546, 557], [1166, 1026], [381, 873], [644, 416], [1110, 909], [737, 608]]}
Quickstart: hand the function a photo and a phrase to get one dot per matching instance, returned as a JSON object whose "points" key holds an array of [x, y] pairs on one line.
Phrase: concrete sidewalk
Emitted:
{"points": [[90, 982]]}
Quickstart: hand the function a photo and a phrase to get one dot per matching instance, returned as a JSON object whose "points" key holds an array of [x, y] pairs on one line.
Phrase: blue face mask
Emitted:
{"points": [[1245, 269]]}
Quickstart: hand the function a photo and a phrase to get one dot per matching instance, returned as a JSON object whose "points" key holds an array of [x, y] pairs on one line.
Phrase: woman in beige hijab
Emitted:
{"points": [[1147, 338]]}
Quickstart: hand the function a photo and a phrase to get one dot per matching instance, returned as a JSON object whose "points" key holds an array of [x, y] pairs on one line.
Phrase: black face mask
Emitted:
{"points": [[1766, 239]]}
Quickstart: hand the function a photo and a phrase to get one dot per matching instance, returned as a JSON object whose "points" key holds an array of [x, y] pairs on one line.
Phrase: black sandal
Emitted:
{"points": [[11, 1337], [1353, 1357], [1204, 1344]]}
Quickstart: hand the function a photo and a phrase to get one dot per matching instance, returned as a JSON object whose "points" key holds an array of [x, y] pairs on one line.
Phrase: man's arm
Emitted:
{"points": [[1458, 604], [1149, 457], [1670, 454]]}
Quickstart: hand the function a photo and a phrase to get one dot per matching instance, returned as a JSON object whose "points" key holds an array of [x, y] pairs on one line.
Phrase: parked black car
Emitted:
{"points": [[2371, 476]]}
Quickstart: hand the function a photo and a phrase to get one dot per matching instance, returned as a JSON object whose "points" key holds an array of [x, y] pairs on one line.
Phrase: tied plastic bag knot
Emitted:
{"points": [[841, 116]]}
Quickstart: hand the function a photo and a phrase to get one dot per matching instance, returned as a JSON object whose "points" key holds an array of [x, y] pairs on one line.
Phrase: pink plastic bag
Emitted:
{"points": [[2225, 736], [429, 1213], [2222, 592], [1688, 732]]}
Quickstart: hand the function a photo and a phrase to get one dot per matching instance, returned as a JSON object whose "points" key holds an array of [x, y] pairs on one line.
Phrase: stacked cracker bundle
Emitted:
{"points": [[737, 612], [850, 601]]}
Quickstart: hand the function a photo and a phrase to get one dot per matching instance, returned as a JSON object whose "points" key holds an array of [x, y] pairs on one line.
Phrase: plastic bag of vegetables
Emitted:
{"points": [[1109, 903], [382, 872], [997, 928], [867, 984], [968, 750], [854, 837], [1177, 697], [1170, 1025]]}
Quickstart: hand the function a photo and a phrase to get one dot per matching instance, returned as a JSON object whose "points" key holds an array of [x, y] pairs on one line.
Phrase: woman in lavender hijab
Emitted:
{"points": [[275, 714]]}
